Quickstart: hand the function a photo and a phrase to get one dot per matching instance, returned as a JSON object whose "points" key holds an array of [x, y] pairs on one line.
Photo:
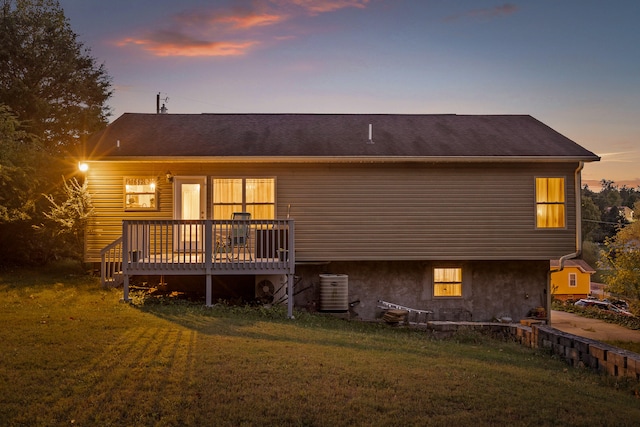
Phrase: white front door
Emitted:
{"points": [[190, 203]]}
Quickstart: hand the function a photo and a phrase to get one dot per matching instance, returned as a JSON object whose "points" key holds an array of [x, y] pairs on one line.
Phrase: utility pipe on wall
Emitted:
{"points": [[578, 195]]}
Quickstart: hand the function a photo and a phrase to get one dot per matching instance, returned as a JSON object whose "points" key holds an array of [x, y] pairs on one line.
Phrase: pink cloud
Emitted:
{"points": [[324, 6], [503, 10], [253, 20], [231, 32], [231, 20], [165, 43]]}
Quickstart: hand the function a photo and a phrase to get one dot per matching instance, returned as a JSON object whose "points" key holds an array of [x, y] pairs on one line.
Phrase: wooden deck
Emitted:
{"points": [[200, 247]]}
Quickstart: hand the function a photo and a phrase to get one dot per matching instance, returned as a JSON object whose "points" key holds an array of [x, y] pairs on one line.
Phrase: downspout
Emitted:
{"points": [[561, 261]]}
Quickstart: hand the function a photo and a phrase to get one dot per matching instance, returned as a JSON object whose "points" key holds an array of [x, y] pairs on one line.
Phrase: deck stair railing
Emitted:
{"points": [[111, 264]]}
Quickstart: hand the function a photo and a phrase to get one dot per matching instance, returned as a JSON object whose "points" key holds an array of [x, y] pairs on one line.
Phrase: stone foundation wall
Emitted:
{"points": [[490, 289]]}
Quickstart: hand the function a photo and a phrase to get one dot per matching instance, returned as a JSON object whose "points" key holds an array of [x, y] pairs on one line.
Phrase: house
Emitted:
{"points": [[458, 215], [626, 213], [598, 290], [573, 281]]}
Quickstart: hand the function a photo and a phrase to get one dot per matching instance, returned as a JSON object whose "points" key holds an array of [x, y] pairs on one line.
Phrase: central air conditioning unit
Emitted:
{"points": [[271, 289]]}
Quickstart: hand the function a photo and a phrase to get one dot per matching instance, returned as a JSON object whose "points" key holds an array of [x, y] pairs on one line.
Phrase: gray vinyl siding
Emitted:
{"points": [[373, 211], [423, 212]]}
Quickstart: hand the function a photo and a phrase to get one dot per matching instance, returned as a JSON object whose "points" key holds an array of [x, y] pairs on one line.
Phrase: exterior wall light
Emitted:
{"points": [[83, 167]]}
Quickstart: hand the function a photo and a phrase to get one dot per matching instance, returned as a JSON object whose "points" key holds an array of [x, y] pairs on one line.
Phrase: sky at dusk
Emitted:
{"points": [[572, 64]]}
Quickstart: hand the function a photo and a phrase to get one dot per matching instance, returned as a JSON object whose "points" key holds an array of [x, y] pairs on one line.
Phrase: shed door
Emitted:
{"points": [[190, 203]]}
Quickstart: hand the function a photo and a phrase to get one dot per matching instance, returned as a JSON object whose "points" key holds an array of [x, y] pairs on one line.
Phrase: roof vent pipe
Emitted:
{"points": [[370, 140]]}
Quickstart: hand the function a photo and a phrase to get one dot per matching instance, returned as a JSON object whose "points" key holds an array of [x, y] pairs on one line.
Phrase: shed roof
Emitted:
{"points": [[333, 135], [576, 263]]}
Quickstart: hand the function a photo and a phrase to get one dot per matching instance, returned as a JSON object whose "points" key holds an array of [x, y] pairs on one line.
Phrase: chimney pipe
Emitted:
{"points": [[158, 103]]}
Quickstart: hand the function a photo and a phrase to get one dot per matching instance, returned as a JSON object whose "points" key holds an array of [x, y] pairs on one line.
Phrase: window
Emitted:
{"points": [[140, 194], [550, 203], [573, 280], [447, 282], [254, 195]]}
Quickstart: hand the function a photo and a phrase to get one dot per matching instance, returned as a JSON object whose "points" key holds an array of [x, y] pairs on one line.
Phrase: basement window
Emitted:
{"points": [[140, 194], [550, 203], [447, 282]]}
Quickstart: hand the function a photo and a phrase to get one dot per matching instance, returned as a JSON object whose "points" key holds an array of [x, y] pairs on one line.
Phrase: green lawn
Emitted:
{"points": [[72, 354]]}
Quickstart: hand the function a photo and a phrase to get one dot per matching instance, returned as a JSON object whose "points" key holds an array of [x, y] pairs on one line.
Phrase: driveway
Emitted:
{"points": [[592, 328]]}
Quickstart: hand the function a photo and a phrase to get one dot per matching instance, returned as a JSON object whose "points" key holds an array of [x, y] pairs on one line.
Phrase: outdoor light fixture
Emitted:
{"points": [[169, 176], [83, 167]]}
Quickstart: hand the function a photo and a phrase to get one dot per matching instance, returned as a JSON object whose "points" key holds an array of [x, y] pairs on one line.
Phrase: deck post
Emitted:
{"points": [[208, 258], [125, 261], [208, 291], [290, 279], [291, 263]]}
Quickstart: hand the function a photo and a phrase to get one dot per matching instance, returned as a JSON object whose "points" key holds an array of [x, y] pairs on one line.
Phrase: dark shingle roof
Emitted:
{"points": [[332, 135]]}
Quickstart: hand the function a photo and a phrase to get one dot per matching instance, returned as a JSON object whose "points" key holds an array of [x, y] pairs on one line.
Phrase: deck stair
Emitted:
{"points": [[111, 274]]}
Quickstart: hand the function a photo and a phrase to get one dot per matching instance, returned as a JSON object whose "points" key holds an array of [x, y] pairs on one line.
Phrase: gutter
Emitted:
{"points": [[341, 159], [561, 261]]}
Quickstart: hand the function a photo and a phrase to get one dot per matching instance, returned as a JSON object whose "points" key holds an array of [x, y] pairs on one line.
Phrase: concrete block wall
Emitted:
{"points": [[579, 351], [576, 351]]}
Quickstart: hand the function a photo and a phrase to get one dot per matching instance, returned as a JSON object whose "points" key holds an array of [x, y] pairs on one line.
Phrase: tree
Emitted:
{"points": [[621, 264], [25, 173], [17, 163], [53, 94], [67, 220], [590, 219], [636, 210], [47, 77], [608, 203]]}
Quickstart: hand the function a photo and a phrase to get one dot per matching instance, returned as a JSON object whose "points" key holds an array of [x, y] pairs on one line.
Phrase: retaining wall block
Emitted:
{"points": [[528, 339], [598, 351], [542, 334], [565, 340], [558, 349], [572, 355], [633, 366], [581, 345], [618, 360]]}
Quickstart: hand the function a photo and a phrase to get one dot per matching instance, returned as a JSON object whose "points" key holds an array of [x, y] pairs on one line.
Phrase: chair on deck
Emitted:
{"points": [[240, 234]]}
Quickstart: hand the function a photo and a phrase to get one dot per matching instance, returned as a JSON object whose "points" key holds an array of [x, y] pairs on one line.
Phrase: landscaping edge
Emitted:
{"points": [[575, 350]]}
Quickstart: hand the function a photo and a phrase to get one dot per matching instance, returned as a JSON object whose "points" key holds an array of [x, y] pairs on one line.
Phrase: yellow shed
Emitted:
{"points": [[573, 282]]}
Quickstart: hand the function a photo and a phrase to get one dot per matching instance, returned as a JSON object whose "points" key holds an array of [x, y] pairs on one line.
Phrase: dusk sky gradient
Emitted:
{"points": [[572, 64]]}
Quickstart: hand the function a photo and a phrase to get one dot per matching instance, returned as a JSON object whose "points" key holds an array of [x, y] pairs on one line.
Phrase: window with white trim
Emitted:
{"points": [[573, 280], [447, 282], [254, 195], [550, 203], [140, 194]]}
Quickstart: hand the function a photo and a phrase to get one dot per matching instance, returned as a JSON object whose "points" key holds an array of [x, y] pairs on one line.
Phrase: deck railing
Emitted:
{"points": [[208, 247]]}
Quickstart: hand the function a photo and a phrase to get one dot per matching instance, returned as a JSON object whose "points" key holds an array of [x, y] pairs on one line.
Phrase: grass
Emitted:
{"points": [[72, 354]]}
